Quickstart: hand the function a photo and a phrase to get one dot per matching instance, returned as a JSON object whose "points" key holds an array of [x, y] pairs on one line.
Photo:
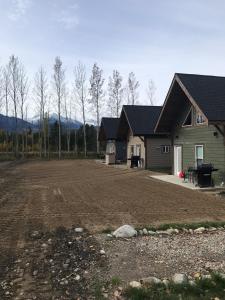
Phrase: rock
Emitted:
{"points": [[162, 232], [166, 282], [44, 245], [191, 231], [125, 231], [77, 278], [102, 252], [180, 278], [35, 272], [199, 230], [65, 266], [109, 236], [140, 232], [192, 282], [150, 280], [145, 231], [208, 276], [78, 230], [212, 229], [151, 232], [36, 234], [135, 284], [170, 231], [197, 275]]}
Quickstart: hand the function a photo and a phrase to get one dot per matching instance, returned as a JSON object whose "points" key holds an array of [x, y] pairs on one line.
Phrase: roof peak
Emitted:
{"points": [[200, 75]]}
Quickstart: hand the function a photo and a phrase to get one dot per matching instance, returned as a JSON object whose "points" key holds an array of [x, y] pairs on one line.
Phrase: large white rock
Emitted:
{"points": [[180, 278], [125, 231], [150, 280], [135, 284], [199, 230]]}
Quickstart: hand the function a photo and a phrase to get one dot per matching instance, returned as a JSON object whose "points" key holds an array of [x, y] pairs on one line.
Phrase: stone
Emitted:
{"points": [[207, 276], [166, 282], [102, 252], [170, 231], [35, 272], [199, 230], [78, 230], [125, 231], [135, 284], [77, 278], [140, 232], [192, 282], [151, 232], [150, 280], [145, 231], [179, 278]]}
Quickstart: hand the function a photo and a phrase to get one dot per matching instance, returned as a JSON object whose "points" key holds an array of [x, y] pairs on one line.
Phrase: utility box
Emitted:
{"points": [[110, 158]]}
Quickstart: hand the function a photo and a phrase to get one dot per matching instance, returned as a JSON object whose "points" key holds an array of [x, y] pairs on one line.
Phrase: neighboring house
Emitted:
{"points": [[108, 136], [136, 127], [194, 115]]}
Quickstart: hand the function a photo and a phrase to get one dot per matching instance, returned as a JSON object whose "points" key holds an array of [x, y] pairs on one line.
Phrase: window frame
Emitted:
{"points": [[190, 111], [165, 147], [203, 154]]}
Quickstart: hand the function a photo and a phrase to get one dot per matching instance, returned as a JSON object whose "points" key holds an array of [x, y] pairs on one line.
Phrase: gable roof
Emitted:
{"points": [[205, 92], [108, 129], [141, 119]]}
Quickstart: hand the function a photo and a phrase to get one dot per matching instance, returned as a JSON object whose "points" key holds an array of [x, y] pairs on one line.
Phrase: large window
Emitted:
{"points": [[200, 119], [188, 119], [199, 155]]}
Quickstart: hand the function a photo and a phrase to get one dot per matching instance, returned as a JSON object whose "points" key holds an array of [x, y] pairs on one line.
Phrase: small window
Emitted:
{"points": [[165, 149], [199, 155], [200, 119], [188, 120]]}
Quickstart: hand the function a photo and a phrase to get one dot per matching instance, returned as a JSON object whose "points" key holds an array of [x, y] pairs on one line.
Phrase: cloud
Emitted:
{"points": [[68, 17], [19, 9]]}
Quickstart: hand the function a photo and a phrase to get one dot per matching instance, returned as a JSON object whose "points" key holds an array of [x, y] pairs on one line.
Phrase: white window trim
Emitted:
{"points": [[190, 110], [164, 147], [199, 145]]}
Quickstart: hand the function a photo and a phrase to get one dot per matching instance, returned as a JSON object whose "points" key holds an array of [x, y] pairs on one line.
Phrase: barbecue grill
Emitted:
{"points": [[135, 159], [202, 174]]}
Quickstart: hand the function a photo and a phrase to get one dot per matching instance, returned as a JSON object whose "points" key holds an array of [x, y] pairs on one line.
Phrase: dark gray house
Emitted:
{"points": [[136, 128], [108, 136], [194, 115]]}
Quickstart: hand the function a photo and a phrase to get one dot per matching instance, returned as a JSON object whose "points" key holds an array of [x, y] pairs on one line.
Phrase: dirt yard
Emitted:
{"points": [[43, 196]]}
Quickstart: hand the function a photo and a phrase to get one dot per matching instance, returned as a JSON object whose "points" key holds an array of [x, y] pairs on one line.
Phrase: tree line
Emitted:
{"points": [[18, 92]]}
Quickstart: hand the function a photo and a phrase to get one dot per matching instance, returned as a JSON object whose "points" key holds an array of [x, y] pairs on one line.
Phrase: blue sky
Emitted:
{"points": [[154, 39]]}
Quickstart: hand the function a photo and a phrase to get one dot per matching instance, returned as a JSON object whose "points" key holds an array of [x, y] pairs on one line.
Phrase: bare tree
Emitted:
{"points": [[67, 111], [23, 92], [5, 99], [132, 86], [151, 91], [13, 73], [59, 87], [96, 93], [41, 96], [81, 95], [115, 93]]}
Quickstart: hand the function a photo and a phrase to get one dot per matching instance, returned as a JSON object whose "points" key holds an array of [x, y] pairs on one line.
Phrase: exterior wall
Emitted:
{"points": [[214, 149], [155, 158], [133, 141], [121, 151]]}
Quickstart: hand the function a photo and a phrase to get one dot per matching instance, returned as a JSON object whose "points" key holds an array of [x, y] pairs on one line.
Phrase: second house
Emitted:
{"points": [[136, 127]]}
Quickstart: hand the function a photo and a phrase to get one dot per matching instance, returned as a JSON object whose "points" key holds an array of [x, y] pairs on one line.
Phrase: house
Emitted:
{"points": [[108, 137], [194, 115], [136, 127]]}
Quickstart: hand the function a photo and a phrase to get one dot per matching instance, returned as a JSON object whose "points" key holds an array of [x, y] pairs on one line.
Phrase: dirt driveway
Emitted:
{"points": [[85, 193]]}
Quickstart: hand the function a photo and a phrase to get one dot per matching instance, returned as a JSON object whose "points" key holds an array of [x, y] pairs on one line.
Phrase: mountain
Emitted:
{"points": [[73, 124], [9, 124]]}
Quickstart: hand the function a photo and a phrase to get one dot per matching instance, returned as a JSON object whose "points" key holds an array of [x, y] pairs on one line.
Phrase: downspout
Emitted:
{"points": [[145, 144]]}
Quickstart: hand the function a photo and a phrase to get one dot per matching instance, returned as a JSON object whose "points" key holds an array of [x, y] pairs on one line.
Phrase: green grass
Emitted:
{"points": [[116, 281], [206, 289]]}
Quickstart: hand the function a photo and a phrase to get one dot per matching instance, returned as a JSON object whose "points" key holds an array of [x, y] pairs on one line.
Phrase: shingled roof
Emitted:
{"points": [[205, 92], [108, 129], [141, 119]]}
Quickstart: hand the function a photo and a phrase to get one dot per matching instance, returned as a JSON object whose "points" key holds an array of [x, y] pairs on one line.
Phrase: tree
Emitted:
{"points": [[132, 86], [81, 95], [41, 95], [96, 92], [5, 99], [151, 91], [59, 88], [115, 93], [23, 92], [13, 73], [67, 110]]}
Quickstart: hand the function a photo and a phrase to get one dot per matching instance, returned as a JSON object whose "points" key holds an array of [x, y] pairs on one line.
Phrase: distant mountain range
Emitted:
{"points": [[9, 123]]}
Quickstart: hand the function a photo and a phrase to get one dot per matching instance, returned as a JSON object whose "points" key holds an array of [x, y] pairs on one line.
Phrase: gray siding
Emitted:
{"points": [[155, 158], [214, 149]]}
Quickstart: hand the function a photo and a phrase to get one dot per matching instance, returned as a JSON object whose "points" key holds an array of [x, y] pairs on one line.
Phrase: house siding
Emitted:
{"points": [[214, 149], [155, 158]]}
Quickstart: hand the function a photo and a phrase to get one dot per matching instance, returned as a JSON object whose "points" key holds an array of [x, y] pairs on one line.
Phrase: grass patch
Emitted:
{"points": [[206, 289], [180, 226], [116, 281]]}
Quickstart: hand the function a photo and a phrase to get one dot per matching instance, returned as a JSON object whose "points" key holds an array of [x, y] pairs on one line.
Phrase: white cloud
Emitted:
{"points": [[68, 17], [19, 9]]}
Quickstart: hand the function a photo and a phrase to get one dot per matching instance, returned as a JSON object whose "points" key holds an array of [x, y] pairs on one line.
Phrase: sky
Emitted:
{"points": [[154, 39]]}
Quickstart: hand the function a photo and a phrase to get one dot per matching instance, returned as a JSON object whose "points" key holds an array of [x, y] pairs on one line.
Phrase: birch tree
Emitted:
{"points": [[151, 91], [67, 111], [23, 92], [13, 73], [96, 93], [81, 96], [41, 96], [59, 88], [132, 87], [115, 91]]}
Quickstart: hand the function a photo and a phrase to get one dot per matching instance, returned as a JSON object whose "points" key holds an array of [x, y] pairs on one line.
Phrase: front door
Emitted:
{"points": [[177, 160]]}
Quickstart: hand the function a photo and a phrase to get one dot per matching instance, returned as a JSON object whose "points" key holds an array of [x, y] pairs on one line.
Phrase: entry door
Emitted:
{"points": [[177, 160]]}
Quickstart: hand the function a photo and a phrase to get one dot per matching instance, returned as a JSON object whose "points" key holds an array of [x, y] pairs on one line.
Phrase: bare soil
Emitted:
{"points": [[44, 195]]}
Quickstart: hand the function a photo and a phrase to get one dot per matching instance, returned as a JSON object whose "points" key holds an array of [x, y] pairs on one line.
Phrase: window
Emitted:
{"points": [[199, 155], [200, 119], [188, 119], [165, 149], [138, 150]]}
